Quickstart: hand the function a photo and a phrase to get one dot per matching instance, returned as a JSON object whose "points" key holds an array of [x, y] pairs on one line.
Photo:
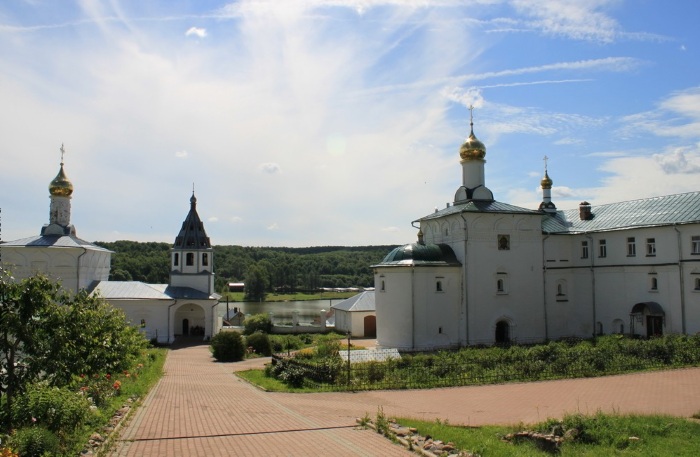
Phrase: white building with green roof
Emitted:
{"points": [[486, 272]]}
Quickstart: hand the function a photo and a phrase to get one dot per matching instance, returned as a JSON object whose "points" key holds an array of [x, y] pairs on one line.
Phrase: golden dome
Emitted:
{"points": [[546, 181], [61, 186], [472, 148]]}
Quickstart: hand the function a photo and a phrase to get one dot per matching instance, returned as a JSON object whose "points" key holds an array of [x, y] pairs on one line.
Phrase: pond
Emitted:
{"points": [[309, 310]]}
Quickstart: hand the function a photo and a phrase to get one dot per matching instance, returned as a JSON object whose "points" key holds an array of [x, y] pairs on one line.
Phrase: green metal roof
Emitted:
{"points": [[417, 254], [647, 212]]}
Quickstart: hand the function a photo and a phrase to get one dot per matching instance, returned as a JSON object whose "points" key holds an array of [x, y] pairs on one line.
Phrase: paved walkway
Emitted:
{"points": [[199, 408]]}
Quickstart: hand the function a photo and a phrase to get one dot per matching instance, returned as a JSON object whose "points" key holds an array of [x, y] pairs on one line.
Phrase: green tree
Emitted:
{"points": [[256, 283], [48, 334]]}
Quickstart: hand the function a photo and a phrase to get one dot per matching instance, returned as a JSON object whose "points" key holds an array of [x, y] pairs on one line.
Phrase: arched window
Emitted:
{"points": [[383, 286], [654, 285], [499, 285], [205, 259], [176, 259], [438, 286], [697, 283], [561, 290], [189, 259]]}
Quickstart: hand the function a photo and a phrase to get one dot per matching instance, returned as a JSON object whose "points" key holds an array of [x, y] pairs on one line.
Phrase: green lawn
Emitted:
{"points": [[599, 435]]}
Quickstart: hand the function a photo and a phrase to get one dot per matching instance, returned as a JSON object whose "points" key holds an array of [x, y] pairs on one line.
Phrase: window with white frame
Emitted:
{"points": [[584, 249], [438, 285], [696, 245], [383, 286], [602, 248], [631, 247], [176, 259], [653, 283], [651, 247], [189, 259], [697, 283], [205, 259]]}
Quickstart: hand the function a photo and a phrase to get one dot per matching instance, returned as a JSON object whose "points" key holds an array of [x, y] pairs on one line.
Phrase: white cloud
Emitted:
{"points": [[181, 154], [270, 168], [273, 226], [196, 31], [213, 219], [679, 160]]}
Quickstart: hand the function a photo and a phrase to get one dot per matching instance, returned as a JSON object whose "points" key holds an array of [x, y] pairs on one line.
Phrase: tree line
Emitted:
{"points": [[279, 269]]}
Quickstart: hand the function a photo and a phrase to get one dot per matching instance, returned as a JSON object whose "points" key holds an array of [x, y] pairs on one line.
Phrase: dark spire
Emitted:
{"points": [[192, 234]]}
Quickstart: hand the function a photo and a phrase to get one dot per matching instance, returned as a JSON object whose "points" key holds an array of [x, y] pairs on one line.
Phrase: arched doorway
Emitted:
{"points": [[650, 315], [502, 332], [190, 320]]}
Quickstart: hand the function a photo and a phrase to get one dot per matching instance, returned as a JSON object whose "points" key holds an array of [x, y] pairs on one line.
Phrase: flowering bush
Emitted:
{"points": [[97, 389]]}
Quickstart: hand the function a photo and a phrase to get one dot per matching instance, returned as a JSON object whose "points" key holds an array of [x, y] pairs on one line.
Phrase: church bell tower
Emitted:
{"points": [[192, 257]]}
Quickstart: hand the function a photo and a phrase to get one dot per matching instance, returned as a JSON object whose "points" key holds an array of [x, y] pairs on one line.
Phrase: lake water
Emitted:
{"points": [[282, 311]]}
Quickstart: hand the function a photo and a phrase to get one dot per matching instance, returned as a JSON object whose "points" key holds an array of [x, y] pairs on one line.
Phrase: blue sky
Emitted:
{"points": [[337, 122]]}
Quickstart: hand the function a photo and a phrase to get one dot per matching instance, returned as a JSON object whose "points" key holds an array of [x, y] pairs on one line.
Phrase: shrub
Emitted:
{"points": [[328, 347], [260, 343], [283, 343], [58, 409], [34, 442], [257, 323], [227, 347]]}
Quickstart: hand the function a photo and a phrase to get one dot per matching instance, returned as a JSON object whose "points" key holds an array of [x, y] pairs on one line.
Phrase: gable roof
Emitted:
{"points": [[647, 212], [136, 290], [360, 302], [478, 206], [54, 241]]}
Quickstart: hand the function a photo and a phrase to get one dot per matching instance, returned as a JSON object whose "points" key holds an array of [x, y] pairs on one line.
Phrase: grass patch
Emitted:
{"points": [[259, 379], [598, 435]]}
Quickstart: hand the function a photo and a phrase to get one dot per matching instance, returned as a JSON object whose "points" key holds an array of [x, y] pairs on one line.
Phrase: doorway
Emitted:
{"points": [[502, 332], [654, 326], [185, 327], [370, 326]]}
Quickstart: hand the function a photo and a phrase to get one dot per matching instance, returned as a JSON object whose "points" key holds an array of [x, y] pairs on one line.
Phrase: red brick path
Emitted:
{"points": [[199, 408]]}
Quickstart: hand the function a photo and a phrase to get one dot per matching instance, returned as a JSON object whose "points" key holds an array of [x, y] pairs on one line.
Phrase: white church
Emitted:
{"points": [[186, 306], [487, 272]]}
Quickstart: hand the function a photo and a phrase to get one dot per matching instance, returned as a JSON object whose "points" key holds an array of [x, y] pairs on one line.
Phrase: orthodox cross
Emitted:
{"points": [[545, 163], [63, 151], [471, 117]]}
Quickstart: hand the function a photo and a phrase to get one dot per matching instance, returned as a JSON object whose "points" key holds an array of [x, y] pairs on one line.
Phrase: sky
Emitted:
{"points": [[337, 122]]}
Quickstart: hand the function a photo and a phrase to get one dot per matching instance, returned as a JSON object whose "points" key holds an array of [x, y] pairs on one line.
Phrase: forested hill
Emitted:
{"points": [[288, 269]]}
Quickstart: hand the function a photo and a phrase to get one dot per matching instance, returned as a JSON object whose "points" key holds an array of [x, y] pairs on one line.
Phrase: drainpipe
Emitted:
{"points": [[170, 306], [214, 318], [682, 279], [465, 291], [590, 255], [544, 289], [413, 308], [77, 271]]}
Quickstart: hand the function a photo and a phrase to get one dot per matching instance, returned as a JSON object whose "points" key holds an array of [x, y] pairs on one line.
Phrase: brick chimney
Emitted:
{"points": [[584, 211]]}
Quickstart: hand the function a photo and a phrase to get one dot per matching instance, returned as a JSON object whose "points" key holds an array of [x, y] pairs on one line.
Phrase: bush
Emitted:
{"points": [[283, 343], [227, 347], [257, 323], [34, 442], [260, 343], [58, 409]]}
